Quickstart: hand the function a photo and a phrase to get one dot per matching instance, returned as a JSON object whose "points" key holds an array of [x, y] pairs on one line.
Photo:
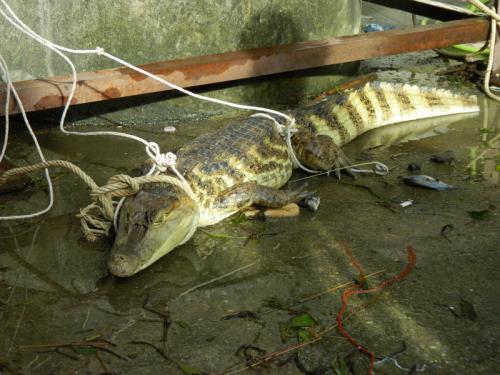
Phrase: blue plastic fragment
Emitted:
{"points": [[374, 27], [427, 182]]}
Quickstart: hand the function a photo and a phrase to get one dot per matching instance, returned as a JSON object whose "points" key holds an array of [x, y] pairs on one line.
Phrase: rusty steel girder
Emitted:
{"points": [[41, 94]]}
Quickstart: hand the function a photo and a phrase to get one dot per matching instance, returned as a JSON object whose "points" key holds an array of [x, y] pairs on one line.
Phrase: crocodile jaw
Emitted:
{"points": [[135, 250]]}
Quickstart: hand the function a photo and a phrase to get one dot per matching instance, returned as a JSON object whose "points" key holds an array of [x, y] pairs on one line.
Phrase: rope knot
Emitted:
{"points": [[292, 126], [124, 185], [164, 161], [282, 129], [99, 51]]}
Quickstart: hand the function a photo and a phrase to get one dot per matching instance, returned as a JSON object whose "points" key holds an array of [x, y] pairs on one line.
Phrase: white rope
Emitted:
{"points": [[491, 60], [6, 78], [380, 169], [417, 368], [485, 9], [162, 161], [5, 72], [495, 21], [100, 52], [287, 132]]}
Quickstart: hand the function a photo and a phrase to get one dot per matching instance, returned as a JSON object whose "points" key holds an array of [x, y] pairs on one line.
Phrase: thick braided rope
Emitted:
{"points": [[97, 218], [49, 164]]}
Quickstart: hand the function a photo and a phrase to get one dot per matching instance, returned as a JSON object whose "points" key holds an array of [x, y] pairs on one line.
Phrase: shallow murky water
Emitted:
{"points": [[61, 313]]}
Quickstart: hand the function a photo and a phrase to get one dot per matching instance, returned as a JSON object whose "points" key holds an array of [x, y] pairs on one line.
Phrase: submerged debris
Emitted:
{"points": [[169, 129], [312, 203], [189, 369], [242, 315], [406, 203], [447, 157], [300, 325], [14, 183], [427, 182], [414, 167], [467, 310], [445, 230], [375, 27], [482, 214], [289, 210]]}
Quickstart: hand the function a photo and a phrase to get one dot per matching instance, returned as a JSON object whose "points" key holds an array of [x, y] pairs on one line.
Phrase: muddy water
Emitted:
{"points": [[61, 313]]}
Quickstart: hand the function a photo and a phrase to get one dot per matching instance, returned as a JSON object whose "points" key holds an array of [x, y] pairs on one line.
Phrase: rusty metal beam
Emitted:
{"points": [[121, 82]]}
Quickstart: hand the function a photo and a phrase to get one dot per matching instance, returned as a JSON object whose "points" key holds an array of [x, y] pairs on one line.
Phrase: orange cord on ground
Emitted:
{"points": [[349, 292]]}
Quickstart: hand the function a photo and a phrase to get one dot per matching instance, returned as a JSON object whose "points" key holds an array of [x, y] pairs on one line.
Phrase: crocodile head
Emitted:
{"points": [[151, 224]]}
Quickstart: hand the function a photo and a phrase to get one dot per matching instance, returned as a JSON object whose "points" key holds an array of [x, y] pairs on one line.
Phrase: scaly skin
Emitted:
{"points": [[247, 162]]}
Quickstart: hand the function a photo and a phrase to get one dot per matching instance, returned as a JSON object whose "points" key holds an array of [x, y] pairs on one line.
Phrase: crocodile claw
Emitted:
{"points": [[311, 202], [341, 163]]}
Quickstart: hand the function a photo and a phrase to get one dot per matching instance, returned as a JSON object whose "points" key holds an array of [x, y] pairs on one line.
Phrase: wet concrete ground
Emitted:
{"points": [[62, 313], [244, 290]]}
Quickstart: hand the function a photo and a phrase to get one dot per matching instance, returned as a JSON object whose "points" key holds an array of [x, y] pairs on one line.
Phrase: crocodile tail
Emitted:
{"points": [[378, 104]]}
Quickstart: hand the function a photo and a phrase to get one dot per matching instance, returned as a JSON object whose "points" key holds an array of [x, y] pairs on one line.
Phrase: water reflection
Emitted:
{"points": [[387, 136], [485, 159]]}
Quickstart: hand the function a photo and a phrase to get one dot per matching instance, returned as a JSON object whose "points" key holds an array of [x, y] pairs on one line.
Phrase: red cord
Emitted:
{"points": [[412, 258]]}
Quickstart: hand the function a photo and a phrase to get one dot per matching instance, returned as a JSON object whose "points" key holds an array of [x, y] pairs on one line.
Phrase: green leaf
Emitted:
{"points": [[182, 323], [298, 325], [187, 369], [339, 366], [85, 350], [238, 219], [467, 310], [304, 320], [480, 215], [303, 335], [497, 167]]}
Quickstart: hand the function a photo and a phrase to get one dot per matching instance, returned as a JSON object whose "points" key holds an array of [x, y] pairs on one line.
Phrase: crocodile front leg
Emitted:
{"points": [[319, 152], [249, 194]]}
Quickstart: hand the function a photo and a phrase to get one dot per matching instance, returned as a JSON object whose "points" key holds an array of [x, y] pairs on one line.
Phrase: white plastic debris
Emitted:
{"points": [[169, 129], [406, 203]]}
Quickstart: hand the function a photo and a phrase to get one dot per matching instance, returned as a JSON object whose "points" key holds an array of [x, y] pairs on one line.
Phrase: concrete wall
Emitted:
{"points": [[143, 31]]}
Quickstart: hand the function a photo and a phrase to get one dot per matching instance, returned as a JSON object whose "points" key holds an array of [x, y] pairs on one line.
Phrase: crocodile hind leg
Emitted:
{"points": [[245, 195], [319, 152]]}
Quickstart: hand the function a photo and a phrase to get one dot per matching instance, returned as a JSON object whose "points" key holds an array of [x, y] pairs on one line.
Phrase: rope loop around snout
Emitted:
{"points": [[120, 185], [97, 218]]}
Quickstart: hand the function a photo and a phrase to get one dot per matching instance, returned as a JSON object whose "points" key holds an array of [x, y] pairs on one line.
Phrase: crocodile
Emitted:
{"points": [[247, 162]]}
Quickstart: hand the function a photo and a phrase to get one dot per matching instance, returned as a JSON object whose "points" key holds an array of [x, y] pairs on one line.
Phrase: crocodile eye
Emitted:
{"points": [[161, 219]]}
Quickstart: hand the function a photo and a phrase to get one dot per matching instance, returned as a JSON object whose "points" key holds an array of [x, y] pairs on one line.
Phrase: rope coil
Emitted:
{"points": [[97, 218]]}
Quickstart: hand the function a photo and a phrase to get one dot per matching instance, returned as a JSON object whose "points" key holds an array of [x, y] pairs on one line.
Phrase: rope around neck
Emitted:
{"points": [[97, 217]]}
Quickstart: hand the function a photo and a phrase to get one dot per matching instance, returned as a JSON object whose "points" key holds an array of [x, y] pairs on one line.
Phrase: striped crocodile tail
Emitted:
{"points": [[378, 104]]}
